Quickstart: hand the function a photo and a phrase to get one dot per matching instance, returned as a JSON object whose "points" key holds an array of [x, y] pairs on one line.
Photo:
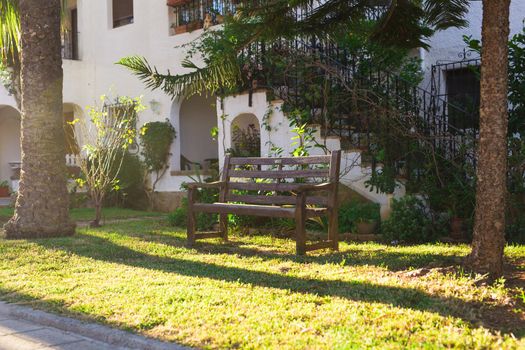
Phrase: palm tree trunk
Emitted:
{"points": [[489, 228], [42, 204]]}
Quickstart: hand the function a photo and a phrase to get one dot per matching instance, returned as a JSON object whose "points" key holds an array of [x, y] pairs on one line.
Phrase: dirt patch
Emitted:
{"points": [[506, 316]]}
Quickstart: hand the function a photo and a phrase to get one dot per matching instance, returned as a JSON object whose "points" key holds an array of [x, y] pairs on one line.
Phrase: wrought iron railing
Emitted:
{"points": [[189, 15], [344, 81], [348, 85], [70, 45]]}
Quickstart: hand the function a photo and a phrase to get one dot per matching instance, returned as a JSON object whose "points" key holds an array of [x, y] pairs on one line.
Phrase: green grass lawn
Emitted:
{"points": [[87, 214], [255, 293]]}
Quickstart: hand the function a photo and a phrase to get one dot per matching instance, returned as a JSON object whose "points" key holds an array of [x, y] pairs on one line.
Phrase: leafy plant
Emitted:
{"points": [[410, 222], [132, 192], [354, 212], [107, 135], [246, 142], [156, 139]]}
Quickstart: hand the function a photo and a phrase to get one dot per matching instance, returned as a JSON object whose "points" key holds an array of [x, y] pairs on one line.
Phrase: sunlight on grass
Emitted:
{"points": [[254, 292], [86, 214]]}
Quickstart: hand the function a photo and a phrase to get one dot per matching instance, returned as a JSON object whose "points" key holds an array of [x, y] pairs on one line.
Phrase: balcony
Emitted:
{"points": [[189, 15]]}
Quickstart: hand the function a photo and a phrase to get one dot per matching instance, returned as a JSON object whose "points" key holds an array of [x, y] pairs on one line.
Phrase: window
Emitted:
{"points": [[70, 36], [122, 12], [463, 93]]}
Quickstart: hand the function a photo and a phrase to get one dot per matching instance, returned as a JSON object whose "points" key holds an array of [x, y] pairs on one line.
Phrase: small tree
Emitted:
{"points": [[156, 139], [106, 136]]}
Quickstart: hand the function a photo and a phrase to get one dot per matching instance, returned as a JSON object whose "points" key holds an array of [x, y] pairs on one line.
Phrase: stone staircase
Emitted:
{"points": [[276, 131]]}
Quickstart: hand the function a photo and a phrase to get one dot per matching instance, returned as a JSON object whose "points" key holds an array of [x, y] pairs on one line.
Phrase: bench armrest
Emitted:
{"points": [[312, 188], [216, 184]]}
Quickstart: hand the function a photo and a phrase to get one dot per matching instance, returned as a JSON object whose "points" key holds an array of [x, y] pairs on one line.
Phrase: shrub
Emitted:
{"points": [[410, 222], [131, 191], [180, 216], [204, 221], [354, 212], [156, 139]]}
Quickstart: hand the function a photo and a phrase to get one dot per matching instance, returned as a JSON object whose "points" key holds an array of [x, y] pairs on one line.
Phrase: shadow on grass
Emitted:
{"points": [[104, 250], [394, 261]]}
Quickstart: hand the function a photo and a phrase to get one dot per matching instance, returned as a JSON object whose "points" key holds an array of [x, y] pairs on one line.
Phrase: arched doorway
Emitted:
{"points": [[197, 119], [10, 154], [245, 136]]}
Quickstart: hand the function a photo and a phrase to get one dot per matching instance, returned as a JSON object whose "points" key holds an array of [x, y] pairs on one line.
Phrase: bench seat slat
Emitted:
{"points": [[255, 210], [258, 186], [244, 209], [275, 199], [283, 161], [279, 174]]}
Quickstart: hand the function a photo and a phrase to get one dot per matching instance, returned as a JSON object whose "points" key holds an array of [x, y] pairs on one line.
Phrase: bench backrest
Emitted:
{"points": [[272, 181]]}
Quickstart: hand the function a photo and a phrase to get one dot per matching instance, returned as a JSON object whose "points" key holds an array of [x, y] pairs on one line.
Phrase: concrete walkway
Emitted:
{"points": [[22, 328]]}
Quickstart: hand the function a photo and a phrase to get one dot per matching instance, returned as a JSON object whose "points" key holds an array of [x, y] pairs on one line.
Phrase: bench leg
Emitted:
{"points": [[333, 230], [300, 225], [223, 226], [192, 220]]}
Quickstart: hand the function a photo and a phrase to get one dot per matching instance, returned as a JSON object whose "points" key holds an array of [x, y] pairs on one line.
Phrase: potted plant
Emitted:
{"points": [[175, 3], [461, 205], [4, 189], [188, 27], [367, 217], [359, 217]]}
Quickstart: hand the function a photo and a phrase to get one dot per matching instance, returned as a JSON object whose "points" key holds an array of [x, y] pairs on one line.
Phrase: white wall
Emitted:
{"points": [[96, 73], [9, 140], [447, 45], [197, 118], [100, 46]]}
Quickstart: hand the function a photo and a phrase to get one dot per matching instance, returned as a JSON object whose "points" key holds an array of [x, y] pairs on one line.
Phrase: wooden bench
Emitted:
{"points": [[298, 188]]}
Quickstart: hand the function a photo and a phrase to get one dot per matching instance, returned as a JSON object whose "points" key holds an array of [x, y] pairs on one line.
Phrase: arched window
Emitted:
{"points": [[245, 136]]}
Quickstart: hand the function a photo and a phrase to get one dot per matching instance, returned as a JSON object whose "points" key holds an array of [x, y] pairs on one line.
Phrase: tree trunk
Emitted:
{"points": [[489, 227], [98, 214], [42, 204]]}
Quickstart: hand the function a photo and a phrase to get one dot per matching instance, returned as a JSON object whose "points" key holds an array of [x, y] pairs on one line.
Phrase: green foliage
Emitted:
{"points": [[405, 24], [382, 180], [411, 222], [246, 142], [107, 136], [156, 139], [205, 221], [354, 212], [9, 32], [131, 191]]}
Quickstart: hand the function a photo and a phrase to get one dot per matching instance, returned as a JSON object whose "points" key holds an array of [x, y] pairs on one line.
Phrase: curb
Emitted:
{"points": [[93, 331]]}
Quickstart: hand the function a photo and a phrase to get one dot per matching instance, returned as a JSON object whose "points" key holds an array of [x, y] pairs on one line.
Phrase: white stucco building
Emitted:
{"points": [[104, 31]]}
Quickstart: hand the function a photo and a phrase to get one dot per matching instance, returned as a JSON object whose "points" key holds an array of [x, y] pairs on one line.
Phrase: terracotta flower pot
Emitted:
{"points": [[175, 3], [366, 228], [188, 27], [456, 228], [4, 192]]}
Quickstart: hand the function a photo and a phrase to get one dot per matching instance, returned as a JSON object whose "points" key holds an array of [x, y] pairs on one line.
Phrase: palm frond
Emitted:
{"points": [[9, 31], [211, 79], [442, 14]]}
